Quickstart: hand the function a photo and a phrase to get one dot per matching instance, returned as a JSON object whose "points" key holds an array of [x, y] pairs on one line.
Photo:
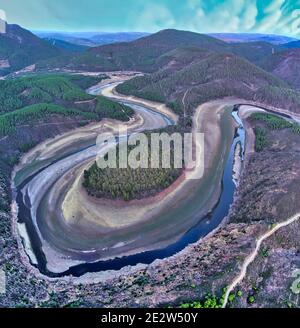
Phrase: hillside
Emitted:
{"points": [[66, 46], [286, 65], [254, 51], [20, 48], [139, 55], [291, 45], [216, 76], [149, 54], [31, 99]]}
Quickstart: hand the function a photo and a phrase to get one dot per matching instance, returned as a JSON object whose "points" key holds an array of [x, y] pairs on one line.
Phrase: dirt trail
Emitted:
{"points": [[249, 259]]}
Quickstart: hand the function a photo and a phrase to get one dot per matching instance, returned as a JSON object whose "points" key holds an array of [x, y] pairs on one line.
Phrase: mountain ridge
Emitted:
{"points": [[143, 54], [20, 48]]}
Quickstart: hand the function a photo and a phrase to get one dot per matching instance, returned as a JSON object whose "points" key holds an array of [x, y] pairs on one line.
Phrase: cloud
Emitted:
{"points": [[265, 16], [280, 17], [155, 17], [248, 18], [272, 14], [225, 16]]}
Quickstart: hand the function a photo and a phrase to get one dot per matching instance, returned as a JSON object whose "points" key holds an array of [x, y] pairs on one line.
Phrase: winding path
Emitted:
{"points": [[250, 259]]}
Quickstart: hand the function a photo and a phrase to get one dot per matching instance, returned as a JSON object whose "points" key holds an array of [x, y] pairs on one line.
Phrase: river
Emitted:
{"points": [[34, 216]]}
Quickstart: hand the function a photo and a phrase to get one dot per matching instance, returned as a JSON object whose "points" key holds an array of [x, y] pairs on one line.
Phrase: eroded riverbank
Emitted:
{"points": [[169, 232], [159, 227]]}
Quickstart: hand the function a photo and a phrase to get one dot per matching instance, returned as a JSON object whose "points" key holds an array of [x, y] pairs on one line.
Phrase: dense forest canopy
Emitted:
{"points": [[37, 97], [132, 183]]}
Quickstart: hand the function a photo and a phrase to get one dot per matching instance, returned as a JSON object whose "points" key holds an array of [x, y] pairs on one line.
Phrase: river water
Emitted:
{"points": [[203, 226]]}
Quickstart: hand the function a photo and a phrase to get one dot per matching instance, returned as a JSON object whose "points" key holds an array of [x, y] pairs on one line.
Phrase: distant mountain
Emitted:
{"points": [[67, 46], [141, 55], [144, 54], [286, 65], [108, 38], [291, 45], [81, 39], [91, 39], [253, 37], [20, 48]]}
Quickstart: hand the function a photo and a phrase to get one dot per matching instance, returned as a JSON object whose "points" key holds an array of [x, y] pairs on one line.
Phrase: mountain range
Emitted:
{"points": [[253, 37], [165, 53], [91, 39], [144, 54]]}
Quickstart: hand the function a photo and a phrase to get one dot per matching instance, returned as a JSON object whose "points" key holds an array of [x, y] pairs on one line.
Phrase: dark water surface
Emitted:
{"points": [[204, 226]]}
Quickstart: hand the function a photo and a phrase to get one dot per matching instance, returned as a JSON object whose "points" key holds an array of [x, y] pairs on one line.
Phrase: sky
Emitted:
{"points": [[204, 16]]}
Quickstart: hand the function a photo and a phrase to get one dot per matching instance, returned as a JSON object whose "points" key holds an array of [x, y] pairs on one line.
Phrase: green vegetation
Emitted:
{"points": [[213, 76], [209, 303], [239, 293], [251, 299], [114, 110], [212, 301], [272, 122], [175, 106], [275, 122], [85, 81], [129, 183], [29, 99], [260, 139], [30, 114], [18, 93]]}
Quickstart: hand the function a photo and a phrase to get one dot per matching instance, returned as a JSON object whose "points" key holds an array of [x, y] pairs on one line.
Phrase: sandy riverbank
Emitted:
{"points": [[166, 228], [107, 274], [110, 92], [106, 213]]}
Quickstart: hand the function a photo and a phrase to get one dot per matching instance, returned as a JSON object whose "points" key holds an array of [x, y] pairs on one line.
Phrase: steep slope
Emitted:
{"points": [[216, 76], [20, 48], [286, 65], [254, 51]]}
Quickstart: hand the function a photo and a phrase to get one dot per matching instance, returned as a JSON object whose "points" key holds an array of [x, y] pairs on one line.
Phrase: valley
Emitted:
{"points": [[73, 235]]}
